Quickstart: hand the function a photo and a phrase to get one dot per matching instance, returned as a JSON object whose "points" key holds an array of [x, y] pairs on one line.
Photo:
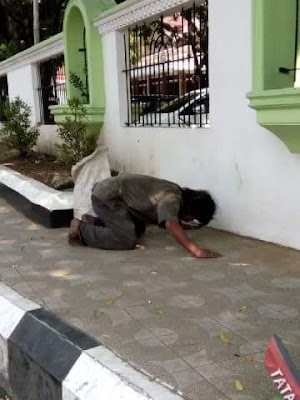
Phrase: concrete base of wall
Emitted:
{"points": [[48, 139]]}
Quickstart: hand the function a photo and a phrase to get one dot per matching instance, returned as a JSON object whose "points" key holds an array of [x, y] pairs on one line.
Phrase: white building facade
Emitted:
{"points": [[252, 175]]}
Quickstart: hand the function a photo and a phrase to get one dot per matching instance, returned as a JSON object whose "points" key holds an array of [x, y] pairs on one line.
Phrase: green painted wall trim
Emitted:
{"points": [[65, 110], [274, 34], [289, 97], [289, 135], [274, 97], [78, 23], [257, 45], [94, 116], [79, 15], [279, 112]]}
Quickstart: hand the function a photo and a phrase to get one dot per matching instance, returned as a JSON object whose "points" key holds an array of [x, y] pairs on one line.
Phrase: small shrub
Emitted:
{"points": [[77, 144], [6, 51], [16, 130], [77, 82]]}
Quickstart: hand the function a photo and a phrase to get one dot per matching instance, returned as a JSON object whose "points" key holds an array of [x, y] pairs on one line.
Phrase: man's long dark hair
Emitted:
{"points": [[199, 204]]}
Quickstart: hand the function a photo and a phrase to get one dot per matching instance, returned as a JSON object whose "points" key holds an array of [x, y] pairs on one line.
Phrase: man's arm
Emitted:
{"points": [[179, 234]]}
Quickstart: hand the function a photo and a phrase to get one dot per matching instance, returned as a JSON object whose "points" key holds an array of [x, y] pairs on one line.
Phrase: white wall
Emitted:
{"points": [[23, 82], [252, 175], [22, 72]]}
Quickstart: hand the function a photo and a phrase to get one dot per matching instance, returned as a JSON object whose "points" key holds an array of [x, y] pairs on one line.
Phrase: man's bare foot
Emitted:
{"points": [[87, 219], [74, 235]]}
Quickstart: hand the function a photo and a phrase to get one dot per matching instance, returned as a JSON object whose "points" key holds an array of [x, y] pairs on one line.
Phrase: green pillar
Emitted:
{"points": [[84, 59]]}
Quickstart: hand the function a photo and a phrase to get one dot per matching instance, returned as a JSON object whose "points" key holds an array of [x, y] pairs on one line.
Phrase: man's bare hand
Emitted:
{"points": [[74, 235], [179, 234], [205, 253]]}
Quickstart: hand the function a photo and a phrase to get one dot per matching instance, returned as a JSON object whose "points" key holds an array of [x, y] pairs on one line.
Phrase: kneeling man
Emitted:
{"points": [[126, 204]]}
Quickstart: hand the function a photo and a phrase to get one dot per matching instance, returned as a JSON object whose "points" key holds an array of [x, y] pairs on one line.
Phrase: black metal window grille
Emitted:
{"points": [[86, 78], [52, 90], [167, 70], [3, 97]]}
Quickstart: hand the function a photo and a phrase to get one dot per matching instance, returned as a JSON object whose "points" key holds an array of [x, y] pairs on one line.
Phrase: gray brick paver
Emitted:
{"points": [[162, 310]]}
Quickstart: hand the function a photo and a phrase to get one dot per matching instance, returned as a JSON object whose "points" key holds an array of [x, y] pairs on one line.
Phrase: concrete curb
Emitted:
{"points": [[36, 200], [44, 358]]}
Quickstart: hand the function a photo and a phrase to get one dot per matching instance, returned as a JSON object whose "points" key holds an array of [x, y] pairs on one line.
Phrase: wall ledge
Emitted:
{"points": [[279, 111], [132, 12], [42, 51]]}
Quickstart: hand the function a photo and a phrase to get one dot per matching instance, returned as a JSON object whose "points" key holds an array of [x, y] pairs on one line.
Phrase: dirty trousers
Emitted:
{"points": [[114, 229]]}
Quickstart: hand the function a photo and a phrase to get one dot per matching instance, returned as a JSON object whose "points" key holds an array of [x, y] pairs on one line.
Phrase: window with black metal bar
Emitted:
{"points": [[4, 99], [52, 90], [166, 70]]}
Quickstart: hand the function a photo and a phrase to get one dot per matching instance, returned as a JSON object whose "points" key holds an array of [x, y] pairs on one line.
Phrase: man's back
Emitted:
{"points": [[149, 199]]}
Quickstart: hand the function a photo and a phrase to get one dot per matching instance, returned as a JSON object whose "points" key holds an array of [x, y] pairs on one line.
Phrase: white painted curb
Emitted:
{"points": [[99, 374], [36, 192]]}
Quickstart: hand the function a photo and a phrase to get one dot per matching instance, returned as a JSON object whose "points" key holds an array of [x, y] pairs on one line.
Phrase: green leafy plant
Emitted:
{"points": [[6, 51], [77, 143], [77, 82], [16, 131]]}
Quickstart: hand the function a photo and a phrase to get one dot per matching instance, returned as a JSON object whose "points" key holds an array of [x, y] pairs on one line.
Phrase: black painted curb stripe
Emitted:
{"points": [[70, 332], [35, 212], [42, 350]]}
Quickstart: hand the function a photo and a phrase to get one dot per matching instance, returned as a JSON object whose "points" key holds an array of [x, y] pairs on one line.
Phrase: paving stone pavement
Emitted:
{"points": [[197, 325]]}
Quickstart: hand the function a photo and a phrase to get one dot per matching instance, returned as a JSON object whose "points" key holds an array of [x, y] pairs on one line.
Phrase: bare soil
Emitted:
{"points": [[38, 166]]}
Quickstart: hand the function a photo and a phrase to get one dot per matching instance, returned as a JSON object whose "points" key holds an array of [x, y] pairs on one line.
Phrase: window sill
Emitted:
{"points": [[279, 111]]}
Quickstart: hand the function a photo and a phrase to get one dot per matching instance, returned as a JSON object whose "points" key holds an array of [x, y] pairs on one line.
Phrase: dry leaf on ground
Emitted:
{"points": [[249, 358], [110, 302], [238, 385], [161, 313], [224, 338]]}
